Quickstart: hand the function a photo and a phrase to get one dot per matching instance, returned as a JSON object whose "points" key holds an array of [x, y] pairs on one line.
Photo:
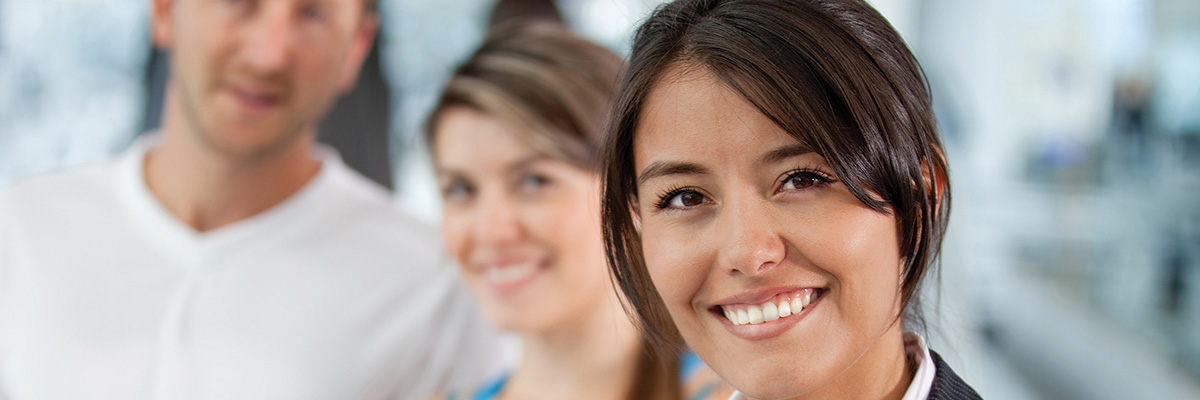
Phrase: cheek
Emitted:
{"points": [[675, 265], [456, 235], [859, 247], [572, 232]]}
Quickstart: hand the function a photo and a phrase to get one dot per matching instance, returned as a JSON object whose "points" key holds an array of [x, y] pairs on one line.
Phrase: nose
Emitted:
{"points": [[498, 221], [751, 245], [269, 41]]}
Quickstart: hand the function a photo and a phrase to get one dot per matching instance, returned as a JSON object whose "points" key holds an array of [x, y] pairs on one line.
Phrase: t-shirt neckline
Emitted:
{"points": [[193, 249]]}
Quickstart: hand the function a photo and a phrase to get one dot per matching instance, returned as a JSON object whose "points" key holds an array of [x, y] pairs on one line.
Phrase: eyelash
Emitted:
{"points": [[665, 198], [821, 177]]}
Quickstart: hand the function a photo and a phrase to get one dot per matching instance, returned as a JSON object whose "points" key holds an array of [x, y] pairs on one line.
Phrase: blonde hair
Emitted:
{"points": [[554, 86]]}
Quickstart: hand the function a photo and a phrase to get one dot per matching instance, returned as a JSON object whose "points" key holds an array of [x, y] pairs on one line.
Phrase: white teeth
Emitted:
{"points": [[508, 274], [756, 315], [770, 313], [785, 308]]}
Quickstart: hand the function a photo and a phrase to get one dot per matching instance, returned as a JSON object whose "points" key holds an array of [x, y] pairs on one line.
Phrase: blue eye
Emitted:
{"points": [[804, 179], [458, 191], [531, 182], [313, 12], [241, 4]]}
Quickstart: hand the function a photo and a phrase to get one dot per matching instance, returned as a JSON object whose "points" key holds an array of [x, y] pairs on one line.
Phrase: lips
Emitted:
{"points": [[253, 98]]}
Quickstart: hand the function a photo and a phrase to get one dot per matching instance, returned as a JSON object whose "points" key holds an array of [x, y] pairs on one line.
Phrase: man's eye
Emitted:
{"points": [[240, 4], [312, 12], [457, 191]]}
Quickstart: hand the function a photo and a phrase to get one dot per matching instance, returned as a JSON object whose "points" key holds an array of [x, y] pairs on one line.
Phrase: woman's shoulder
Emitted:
{"points": [[946, 384], [700, 382]]}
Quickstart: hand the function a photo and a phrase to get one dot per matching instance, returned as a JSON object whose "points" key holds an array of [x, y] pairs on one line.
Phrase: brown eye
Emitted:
{"points": [[803, 180], [682, 198]]}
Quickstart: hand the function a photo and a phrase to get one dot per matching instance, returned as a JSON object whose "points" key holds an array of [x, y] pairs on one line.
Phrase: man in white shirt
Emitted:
{"points": [[229, 257]]}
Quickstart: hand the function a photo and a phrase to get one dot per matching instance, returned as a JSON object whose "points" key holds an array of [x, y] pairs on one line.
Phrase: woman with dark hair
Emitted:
{"points": [[516, 141], [775, 193]]}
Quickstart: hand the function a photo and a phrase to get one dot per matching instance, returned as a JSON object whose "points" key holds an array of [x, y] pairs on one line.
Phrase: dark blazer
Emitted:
{"points": [[947, 385]]}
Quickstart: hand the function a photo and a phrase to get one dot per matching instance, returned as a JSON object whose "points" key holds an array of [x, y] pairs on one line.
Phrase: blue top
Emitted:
{"points": [[688, 365]]}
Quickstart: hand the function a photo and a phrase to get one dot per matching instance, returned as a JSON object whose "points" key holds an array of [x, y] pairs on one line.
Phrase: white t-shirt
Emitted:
{"points": [[332, 294], [922, 382]]}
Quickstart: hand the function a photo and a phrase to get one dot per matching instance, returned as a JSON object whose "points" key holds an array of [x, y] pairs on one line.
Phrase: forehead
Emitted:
{"points": [[469, 139], [691, 115]]}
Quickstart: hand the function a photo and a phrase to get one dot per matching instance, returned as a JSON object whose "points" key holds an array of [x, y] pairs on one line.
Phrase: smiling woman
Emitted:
{"points": [[516, 140], [774, 194]]}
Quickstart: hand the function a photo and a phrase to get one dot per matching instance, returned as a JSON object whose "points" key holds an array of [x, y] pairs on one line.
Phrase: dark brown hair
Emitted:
{"points": [[831, 73], [557, 89]]}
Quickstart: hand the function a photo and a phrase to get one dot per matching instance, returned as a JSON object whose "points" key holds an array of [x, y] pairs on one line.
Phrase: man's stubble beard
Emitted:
{"points": [[292, 131]]}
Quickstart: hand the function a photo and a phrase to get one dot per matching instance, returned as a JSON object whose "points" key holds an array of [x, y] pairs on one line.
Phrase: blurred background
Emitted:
{"points": [[1072, 265]]}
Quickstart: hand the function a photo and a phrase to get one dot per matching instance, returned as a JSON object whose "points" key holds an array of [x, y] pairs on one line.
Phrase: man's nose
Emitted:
{"points": [[269, 42]]}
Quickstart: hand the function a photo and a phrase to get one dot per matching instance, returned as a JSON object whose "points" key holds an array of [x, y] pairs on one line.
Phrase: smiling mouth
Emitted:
{"points": [[509, 274], [782, 305], [507, 277]]}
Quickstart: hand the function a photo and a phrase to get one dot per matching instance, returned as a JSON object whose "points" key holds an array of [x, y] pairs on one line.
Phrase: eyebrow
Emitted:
{"points": [[514, 167], [525, 162], [664, 168], [785, 152]]}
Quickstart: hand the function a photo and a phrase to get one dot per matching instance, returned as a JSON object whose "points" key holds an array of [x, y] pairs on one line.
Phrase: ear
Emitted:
{"points": [[364, 37], [160, 23]]}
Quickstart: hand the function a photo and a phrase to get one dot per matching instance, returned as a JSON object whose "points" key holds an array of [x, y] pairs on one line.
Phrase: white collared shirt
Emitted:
{"points": [[922, 382]]}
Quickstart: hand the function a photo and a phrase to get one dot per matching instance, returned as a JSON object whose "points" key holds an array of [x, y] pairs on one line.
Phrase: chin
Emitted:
{"points": [[768, 377], [513, 317]]}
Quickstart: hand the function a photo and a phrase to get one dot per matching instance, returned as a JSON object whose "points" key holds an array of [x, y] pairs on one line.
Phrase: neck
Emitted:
{"points": [[593, 358], [207, 190]]}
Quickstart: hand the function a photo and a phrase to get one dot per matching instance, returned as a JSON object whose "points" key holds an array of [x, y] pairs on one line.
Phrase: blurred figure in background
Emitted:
{"points": [[515, 140], [230, 256]]}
